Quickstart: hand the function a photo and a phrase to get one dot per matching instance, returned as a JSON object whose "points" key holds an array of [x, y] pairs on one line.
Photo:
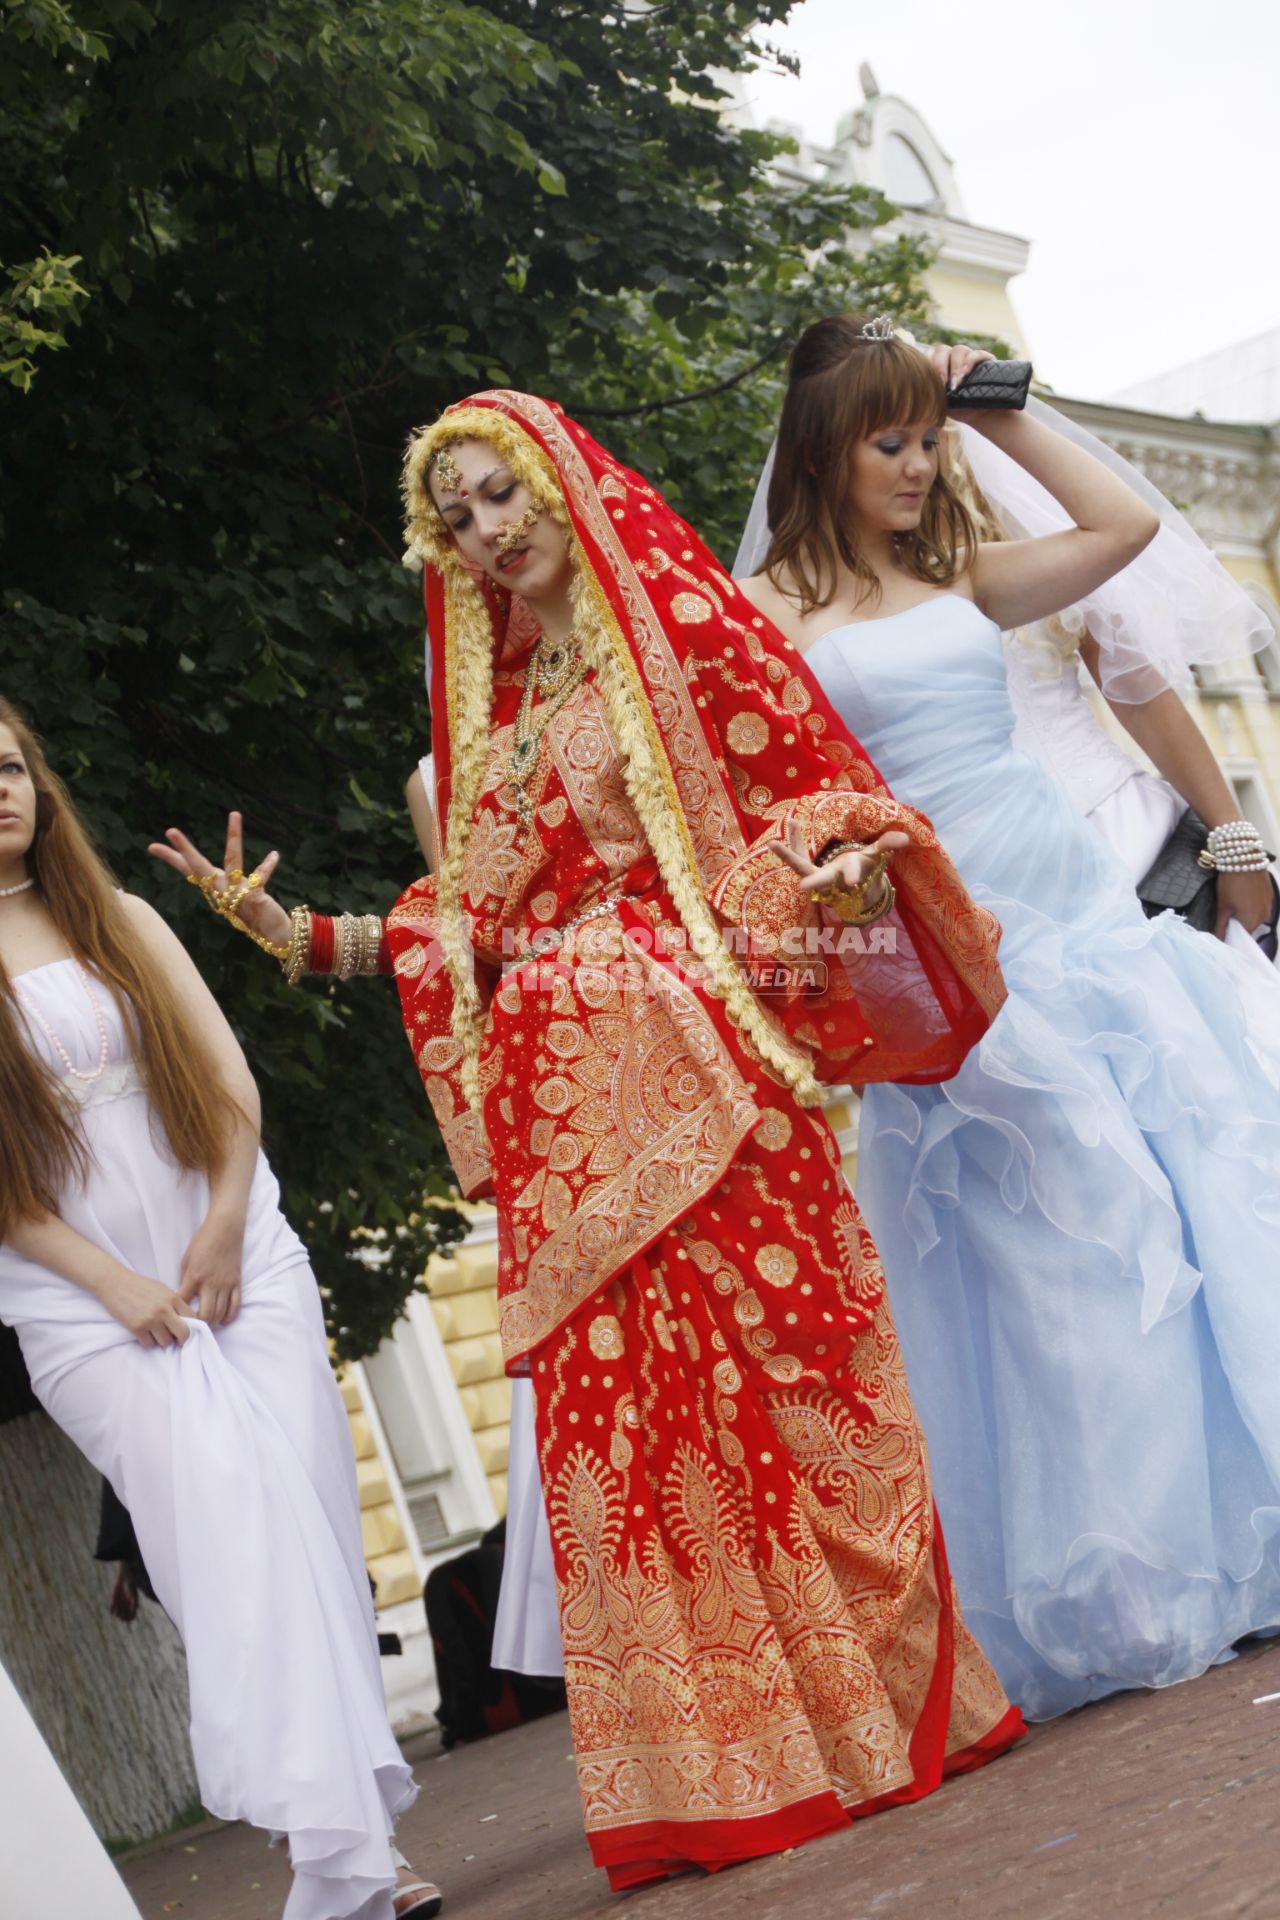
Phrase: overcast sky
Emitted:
{"points": [[1136, 145]]}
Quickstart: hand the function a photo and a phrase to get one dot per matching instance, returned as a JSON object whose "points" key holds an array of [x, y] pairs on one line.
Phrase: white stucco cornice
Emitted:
{"points": [[1225, 476], [1228, 437], [984, 253]]}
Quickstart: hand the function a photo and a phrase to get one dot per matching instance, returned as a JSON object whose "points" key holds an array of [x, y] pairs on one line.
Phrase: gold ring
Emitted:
{"points": [[245, 884]]}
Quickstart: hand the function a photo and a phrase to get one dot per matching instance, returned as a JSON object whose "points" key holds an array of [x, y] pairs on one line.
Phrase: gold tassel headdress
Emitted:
{"points": [[463, 673]]}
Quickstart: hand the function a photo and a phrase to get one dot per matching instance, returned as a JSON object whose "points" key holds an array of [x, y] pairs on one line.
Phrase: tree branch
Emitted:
{"points": [[780, 345], [339, 500]]}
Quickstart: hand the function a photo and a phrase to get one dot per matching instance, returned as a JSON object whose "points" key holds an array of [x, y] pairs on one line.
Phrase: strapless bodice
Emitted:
{"points": [[1056, 722], [136, 1203], [927, 694], [924, 690], [73, 1024]]}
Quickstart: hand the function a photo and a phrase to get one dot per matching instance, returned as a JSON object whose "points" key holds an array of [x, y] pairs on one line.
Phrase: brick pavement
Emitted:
{"points": [[1159, 1804]]}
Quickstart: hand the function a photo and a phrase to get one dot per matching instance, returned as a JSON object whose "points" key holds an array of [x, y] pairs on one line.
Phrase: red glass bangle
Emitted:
{"points": [[384, 952], [320, 958]]}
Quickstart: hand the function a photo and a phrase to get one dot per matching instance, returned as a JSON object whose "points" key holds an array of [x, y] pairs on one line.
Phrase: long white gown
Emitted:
{"points": [[233, 1454], [50, 1858], [1079, 1230]]}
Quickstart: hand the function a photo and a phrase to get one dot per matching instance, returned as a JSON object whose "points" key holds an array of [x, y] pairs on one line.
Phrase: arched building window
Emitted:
{"points": [[907, 180]]}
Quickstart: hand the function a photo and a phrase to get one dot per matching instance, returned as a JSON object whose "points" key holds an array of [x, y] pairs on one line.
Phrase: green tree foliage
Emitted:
{"points": [[289, 231], [41, 300]]}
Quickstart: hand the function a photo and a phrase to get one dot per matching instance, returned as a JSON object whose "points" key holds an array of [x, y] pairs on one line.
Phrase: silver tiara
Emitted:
{"points": [[881, 328]]}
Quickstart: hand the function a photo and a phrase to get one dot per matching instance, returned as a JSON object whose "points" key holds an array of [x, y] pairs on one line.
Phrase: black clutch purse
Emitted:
{"points": [[994, 383], [1176, 879]]}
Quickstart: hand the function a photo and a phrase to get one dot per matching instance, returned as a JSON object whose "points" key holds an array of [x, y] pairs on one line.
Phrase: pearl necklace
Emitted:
{"points": [[23, 886], [73, 1072]]}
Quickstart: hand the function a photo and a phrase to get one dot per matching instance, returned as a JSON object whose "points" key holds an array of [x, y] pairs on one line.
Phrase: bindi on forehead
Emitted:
{"points": [[465, 489]]}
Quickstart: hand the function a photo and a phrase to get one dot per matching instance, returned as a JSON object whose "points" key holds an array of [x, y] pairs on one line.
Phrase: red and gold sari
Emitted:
{"points": [[760, 1632]]}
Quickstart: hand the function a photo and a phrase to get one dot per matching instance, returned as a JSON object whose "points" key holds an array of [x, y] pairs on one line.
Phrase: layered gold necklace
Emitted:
{"points": [[555, 671]]}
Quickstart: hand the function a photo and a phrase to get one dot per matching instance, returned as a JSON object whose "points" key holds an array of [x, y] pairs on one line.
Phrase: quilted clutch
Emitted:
{"points": [[994, 383], [1177, 880]]}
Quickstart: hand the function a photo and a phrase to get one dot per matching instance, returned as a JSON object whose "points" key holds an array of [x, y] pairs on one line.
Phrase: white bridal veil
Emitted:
{"points": [[1172, 608]]}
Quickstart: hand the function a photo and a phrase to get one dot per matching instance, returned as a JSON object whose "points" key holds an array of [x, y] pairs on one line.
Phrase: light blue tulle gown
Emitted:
{"points": [[1081, 1231]]}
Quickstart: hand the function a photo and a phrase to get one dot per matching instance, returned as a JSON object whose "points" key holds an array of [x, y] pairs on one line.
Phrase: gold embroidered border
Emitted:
{"points": [[656, 1182]]}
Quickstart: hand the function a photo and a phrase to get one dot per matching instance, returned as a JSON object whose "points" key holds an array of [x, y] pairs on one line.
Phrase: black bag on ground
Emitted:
{"points": [[461, 1598]]}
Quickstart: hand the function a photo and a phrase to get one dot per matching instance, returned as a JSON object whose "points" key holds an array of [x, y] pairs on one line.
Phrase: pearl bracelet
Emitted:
{"points": [[1235, 847]]}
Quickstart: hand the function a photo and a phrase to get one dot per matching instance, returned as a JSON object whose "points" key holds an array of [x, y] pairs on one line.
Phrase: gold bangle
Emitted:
{"points": [[837, 890], [356, 942], [297, 954], [850, 902], [848, 905], [346, 935]]}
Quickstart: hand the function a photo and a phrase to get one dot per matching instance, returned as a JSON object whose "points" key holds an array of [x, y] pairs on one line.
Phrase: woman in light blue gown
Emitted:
{"points": [[1080, 1231]]}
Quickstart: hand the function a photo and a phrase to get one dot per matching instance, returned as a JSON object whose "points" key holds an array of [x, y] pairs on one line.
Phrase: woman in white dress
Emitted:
{"points": [[1134, 809], [171, 1326]]}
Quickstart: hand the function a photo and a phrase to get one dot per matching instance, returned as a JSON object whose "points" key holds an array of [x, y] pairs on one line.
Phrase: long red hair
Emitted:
{"points": [[42, 1146]]}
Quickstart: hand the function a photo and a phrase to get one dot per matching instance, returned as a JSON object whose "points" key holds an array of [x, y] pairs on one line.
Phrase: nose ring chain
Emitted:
{"points": [[511, 534]]}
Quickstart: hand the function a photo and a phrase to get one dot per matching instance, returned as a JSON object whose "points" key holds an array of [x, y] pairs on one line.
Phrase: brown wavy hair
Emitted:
{"points": [[42, 1147], [842, 388]]}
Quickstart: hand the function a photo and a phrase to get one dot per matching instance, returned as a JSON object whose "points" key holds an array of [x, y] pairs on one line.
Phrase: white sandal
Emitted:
{"points": [[418, 1901]]}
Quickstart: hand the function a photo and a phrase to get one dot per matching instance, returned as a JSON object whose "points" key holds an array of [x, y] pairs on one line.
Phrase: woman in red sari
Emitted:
{"points": [[645, 801]]}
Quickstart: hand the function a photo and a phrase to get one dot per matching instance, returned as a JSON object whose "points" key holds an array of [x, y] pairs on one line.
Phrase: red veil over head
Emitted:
{"points": [[727, 740]]}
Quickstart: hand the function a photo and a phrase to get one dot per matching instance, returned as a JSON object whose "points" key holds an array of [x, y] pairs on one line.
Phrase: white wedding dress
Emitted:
{"points": [[1079, 1229], [233, 1455], [1135, 811]]}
